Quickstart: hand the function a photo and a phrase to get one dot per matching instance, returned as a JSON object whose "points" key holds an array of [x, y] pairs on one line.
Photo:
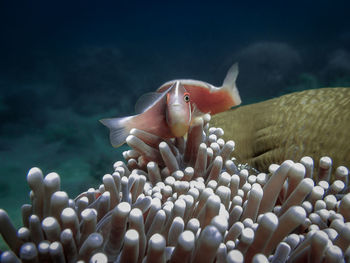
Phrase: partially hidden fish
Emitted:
{"points": [[167, 114], [208, 98]]}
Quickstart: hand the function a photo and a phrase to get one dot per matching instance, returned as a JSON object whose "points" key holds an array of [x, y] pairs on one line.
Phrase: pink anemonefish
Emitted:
{"points": [[169, 112]]}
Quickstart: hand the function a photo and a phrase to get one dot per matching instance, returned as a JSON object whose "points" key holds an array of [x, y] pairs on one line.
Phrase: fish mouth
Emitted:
{"points": [[175, 105], [179, 129]]}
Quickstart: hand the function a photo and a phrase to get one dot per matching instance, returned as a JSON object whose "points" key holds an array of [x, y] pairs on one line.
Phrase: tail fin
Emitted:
{"points": [[230, 83], [118, 130]]}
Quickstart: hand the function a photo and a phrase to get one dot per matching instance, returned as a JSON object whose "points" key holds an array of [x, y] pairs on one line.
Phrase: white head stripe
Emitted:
{"points": [[177, 86]]}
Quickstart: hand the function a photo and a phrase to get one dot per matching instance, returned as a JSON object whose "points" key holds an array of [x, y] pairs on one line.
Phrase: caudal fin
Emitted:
{"points": [[118, 130], [230, 83]]}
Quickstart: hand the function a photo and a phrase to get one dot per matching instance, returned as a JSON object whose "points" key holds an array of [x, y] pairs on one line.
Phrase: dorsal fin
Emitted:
{"points": [[146, 101]]}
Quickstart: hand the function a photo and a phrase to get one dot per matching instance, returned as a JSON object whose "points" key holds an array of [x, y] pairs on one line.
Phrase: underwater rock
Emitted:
{"points": [[338, 67], [273, 65], [307, 123], [185, 200]]}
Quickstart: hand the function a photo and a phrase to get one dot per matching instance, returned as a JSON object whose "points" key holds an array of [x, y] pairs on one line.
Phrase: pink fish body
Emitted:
{"points": [[167, 114], [208, 98]]}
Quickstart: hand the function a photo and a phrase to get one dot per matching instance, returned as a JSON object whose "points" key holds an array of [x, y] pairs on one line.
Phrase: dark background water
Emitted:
{"points": [[66, 64]]}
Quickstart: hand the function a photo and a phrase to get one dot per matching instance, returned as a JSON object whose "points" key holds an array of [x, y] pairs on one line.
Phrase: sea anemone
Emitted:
{"points": [[186, 200]]}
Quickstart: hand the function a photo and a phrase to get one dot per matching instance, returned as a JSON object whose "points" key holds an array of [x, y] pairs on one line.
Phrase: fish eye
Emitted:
{"points": [[187, 97]]}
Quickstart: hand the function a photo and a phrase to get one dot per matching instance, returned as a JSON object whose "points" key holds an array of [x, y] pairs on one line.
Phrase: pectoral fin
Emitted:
{"points": [[118, 130]]}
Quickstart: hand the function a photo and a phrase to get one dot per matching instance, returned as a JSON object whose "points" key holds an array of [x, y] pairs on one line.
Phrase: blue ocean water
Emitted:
{"points": [[66, 64]]}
